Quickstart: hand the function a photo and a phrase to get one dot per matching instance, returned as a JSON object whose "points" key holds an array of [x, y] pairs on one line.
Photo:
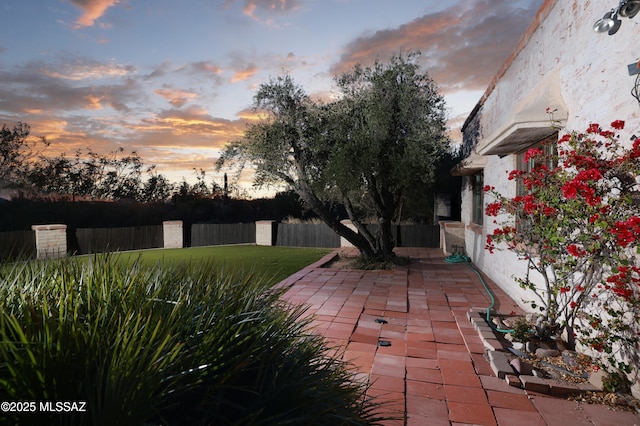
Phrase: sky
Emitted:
{"points": [[174, 80]]}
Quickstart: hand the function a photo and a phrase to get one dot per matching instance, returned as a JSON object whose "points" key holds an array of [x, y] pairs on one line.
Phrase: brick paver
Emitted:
{"points": [[407, 332]]}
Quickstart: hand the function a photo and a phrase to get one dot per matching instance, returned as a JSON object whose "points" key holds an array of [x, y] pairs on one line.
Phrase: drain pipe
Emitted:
{"points": [[460, 258]]}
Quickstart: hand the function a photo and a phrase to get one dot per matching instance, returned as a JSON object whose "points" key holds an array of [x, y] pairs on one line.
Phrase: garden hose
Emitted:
{"points": [[460, 258]]}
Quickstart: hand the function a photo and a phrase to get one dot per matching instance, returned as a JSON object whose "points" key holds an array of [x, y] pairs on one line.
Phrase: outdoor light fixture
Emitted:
{"points": [[610, 22]]}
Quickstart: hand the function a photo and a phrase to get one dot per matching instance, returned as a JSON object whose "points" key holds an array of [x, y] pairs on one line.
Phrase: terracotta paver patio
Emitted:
{"points": [[407, 332]]}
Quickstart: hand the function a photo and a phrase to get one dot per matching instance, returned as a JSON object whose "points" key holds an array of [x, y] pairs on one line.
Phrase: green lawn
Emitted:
{"points": [[273, 263]]}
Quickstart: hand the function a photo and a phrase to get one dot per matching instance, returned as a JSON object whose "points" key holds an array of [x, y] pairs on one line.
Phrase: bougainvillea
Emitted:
{"points": [[576, 221]]}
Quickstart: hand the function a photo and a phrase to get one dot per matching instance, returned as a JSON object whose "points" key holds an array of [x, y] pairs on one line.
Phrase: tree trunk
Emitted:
{"points": [[355, 238]]}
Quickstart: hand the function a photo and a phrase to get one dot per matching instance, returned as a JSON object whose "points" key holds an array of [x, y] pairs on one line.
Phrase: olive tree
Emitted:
{"points": [[383, 136]]}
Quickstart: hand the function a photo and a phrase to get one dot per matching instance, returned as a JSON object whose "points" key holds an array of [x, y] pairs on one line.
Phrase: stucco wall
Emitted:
{"points": [[582, 73]]}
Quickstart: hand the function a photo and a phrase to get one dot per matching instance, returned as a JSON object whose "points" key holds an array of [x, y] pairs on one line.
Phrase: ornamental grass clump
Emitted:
{"points": [[577, 225], [164, 345]]}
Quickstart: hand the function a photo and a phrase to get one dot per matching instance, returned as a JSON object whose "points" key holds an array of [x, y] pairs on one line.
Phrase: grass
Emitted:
{"points": [[272, 263], [167, 340]]}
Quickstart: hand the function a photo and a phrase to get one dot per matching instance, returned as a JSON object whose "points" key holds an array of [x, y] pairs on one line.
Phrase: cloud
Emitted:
{"points": [[40, 86], [92, 10], [277, 6], [244, 74], [193, 126], [176, 97], [72, 68], [462, 46]]}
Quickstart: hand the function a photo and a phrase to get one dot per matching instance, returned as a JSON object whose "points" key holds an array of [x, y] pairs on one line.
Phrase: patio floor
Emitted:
{"points": [[434, 371]]}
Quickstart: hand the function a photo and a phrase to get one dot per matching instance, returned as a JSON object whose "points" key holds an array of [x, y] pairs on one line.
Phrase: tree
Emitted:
{"points": [[16, 150], [364, 151]]}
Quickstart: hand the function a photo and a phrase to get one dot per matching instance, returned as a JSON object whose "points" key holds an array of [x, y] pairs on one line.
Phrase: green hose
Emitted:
{"points": [[460, 258]]}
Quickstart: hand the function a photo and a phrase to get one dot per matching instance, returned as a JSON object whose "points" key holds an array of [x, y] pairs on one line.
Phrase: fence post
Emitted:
{"points": [[266, 231], [343, 241], [51, 241], [172, 234]]}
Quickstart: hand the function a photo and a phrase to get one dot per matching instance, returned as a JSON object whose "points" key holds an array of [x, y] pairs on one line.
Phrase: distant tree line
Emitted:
{"points": [[87, 174]]}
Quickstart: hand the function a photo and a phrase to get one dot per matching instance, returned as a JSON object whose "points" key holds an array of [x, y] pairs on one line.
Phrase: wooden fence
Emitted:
{"points": [[22, 244], [306, 235], [17, 245], [205, 234], [100, 240]]}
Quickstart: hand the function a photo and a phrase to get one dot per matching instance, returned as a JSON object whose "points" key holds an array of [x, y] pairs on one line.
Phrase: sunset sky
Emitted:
{"points": [[174, 80]]}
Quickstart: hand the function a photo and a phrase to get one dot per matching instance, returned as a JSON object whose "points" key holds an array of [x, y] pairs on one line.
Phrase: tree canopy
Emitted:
{"points": [[367, 150], [17, 149]]}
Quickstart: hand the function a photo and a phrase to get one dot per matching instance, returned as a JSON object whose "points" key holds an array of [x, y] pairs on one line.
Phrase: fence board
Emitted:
{"points": [[16, 245], [306, 235], [207, 234], [101, 240], [415, 235], [419, 235]]}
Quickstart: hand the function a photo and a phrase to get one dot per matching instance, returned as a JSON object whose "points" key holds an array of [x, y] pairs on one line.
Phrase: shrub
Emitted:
{"points": [[164, 345], [577, 225]]}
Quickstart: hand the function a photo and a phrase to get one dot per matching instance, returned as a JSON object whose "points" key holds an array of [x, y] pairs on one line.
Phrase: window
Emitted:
{"points": [[477, 184], [549, 146]]}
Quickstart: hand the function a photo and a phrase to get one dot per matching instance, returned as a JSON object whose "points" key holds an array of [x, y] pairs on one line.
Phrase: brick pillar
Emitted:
{"points": [[343, 241], [172, 234], [266, 232], [51, 241]]}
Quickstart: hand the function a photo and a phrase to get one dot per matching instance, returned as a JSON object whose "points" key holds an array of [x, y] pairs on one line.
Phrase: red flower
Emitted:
{"points": [[626, 232], [532, 153], [493, 209], [565, 289], [575, 251], [593, 128], [514, 174], [618, 124]]}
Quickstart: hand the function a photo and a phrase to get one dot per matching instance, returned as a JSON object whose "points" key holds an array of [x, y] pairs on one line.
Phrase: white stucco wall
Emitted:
{"points": [[584, 73]]}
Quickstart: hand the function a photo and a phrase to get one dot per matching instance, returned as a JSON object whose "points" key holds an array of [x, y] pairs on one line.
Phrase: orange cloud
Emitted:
{"points": [[251, 115], [244, 74], [93, 102], [92, 10], [463, 43], [176, 97]]}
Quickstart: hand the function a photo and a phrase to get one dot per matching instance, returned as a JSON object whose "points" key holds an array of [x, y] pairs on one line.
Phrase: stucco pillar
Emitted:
{"points": [[51, 241], [451, 236], [343, 241], [266, 232], [172, 234]]}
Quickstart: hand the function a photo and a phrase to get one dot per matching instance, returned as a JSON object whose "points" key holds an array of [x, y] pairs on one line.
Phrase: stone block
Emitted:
{"points": [[595, 378], [513, 380], [521, 367], [492, 345], [499, 364], [535, 384], [560, 388], [587, 387]]}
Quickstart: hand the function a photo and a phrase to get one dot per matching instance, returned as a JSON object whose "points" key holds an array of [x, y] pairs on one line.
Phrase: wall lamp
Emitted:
{"points": [[610, 22]]}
